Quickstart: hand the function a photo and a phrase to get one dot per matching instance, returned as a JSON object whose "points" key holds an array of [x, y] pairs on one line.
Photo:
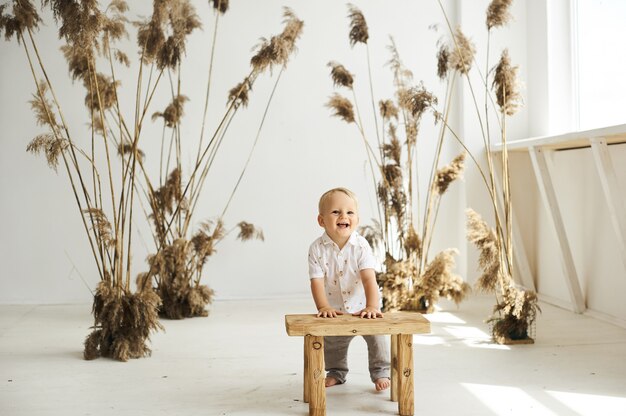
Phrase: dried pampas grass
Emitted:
{"points": [[342, 108], [239, 93], [123, 323], [484, 238], [443, 59], [506, 85], [249, 231], [417, 100], [449, 173], [23, 19], [175, 266], [173, 112], [462, 55], [278, 49], [388, 109], [438, 280], [50, 145], [340, 75], [514, 316], [358, 26], [220, 5], [498, 13]]}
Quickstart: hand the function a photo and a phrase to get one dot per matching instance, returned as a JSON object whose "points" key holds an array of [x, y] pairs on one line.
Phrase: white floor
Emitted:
{"points": [[239, 361]]}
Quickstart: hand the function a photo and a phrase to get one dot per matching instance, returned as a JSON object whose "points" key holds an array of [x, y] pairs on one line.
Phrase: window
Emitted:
{"points": [[599, 30]]}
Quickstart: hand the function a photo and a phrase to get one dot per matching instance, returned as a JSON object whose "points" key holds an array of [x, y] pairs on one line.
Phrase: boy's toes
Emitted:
{"points": [[330, 381], [382, 384]]}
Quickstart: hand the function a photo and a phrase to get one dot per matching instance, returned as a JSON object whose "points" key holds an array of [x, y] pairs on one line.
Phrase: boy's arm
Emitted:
{"points": [[324, 310], [368, 278]]}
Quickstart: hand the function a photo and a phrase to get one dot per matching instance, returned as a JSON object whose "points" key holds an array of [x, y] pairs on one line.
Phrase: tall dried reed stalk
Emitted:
{"points": [[103, 188], [403, 233], [516, 308], [177, 266]]}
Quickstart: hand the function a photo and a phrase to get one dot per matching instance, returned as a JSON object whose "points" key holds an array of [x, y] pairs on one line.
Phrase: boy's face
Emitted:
{"points": [[339, 217]]}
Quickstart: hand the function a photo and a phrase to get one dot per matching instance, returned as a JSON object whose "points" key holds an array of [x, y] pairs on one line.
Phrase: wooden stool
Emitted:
{"points": [[400, 325]]}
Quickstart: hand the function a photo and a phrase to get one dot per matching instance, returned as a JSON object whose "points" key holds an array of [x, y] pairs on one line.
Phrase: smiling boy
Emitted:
{"points": [[343, 280]]}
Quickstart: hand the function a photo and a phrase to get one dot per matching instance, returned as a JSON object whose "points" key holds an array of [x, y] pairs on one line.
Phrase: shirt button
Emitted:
{"points": [[344, 292], [341, 273]]}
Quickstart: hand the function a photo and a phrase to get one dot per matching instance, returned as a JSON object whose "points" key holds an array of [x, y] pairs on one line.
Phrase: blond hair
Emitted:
{"points": [[324, 198]]}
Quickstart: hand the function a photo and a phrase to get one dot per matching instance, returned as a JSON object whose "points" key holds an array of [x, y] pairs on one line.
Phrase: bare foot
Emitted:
{"points": [[381, 384], [331, 381]]}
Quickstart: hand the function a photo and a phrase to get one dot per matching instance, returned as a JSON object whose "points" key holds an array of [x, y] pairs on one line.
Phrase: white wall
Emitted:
{"points": [[302, 151]]}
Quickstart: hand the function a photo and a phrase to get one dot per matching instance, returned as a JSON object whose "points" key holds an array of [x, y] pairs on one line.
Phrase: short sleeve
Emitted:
{"points": [[315, 268], [367, 260]]}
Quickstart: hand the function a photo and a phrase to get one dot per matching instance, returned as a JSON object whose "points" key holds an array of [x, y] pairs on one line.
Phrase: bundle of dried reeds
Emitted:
{"points": [[177, 266], [516, 308], [402, 233], [107, 189], [123, 318]]}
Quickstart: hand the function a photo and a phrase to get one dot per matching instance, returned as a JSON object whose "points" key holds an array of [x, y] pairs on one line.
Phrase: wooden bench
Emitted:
{"points": [[400, 325]]}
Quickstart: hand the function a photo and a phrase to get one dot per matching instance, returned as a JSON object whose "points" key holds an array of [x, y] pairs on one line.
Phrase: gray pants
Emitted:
{"points": [[336, 356]]}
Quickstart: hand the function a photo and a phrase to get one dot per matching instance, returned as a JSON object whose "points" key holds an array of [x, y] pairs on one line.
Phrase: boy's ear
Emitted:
{"points": [[320, 220]]}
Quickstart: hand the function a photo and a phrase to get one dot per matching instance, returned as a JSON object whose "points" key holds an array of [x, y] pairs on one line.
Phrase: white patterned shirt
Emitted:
{"points": [[340, 270]]}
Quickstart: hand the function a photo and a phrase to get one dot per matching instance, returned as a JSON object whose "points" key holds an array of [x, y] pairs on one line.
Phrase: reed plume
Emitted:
{"points": [[220, 5], [449, 173], [506, 85], [340, 75], [443, 61], [173, 112], [485, 240], [388, 109], [24, 18], [50, 145], [439, 280], [278, 49], [462, 55], [342, 108], [498, 13], [358, 26], [248, 231]]}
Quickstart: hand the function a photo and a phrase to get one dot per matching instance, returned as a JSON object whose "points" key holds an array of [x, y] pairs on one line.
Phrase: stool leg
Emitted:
{"points": [[316, 370], [405, 367], [307, 376], [394, 367]]}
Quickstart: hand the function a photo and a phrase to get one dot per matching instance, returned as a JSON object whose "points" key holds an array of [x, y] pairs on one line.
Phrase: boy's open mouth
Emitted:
{"points": [[343, 225]]}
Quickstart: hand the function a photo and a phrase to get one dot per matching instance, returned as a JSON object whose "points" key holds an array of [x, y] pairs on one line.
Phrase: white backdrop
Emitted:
{"points": [[302, 150]]}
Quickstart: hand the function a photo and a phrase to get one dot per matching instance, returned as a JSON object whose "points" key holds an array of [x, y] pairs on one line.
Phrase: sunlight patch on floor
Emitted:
{"points": [[591, 404], [504, 400], [444, 318], [473, 337]]}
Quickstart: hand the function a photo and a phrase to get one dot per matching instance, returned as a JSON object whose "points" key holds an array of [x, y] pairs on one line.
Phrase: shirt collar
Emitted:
{"points": [[352, 240]]}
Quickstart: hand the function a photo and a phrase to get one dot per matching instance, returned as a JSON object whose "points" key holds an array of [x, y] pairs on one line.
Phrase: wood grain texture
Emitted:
{"points": [[406, 406], [392, 323], [394, 368], [317, 374], [307, 369]]}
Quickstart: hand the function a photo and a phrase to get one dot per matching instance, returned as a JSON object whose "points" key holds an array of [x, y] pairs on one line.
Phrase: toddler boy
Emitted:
{"points": [[341, 269]]}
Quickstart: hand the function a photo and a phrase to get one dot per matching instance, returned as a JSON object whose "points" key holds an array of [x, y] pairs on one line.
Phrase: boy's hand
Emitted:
{"points": [[369, 312], [328, 312]]}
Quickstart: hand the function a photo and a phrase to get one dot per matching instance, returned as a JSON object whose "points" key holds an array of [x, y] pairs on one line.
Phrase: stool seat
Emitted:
{"points": [[400, 325]]}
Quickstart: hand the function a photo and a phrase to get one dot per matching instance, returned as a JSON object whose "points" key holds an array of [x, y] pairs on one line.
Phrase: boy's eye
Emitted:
{"points": [[335, 212], [350, 212]]}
